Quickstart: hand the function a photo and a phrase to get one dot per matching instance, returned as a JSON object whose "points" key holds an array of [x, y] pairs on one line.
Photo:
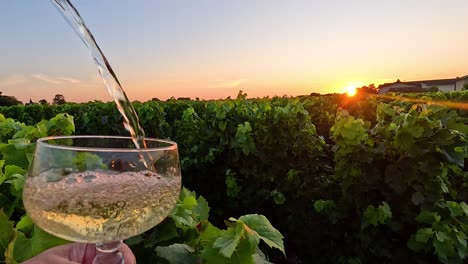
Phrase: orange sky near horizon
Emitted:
{"points": [[212, 49]]}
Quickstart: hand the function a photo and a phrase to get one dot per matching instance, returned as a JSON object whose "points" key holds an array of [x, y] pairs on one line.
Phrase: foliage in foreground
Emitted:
{"points": [[186, 236], [346, 180]]}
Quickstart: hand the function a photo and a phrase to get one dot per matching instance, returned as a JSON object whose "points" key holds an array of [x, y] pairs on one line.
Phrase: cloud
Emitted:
{"points": [[12, 79], [54, 80], [68, 79], [229, 83]]}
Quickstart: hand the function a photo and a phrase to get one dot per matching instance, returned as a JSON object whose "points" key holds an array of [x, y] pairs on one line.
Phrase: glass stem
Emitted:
{"points": [[108, 253]]}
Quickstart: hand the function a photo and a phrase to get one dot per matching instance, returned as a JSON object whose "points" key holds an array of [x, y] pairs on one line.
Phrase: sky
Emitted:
{"points": [[211, 49]]}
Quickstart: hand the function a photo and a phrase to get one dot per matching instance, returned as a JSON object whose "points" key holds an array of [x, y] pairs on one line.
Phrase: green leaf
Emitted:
{"points": [[17, 182], [21, 248], [212, 256], [442, 236], [25, 248], [259, 225], [454, 208], [6, 232], [464, 207], [244, 252], [162, 234], [189, 202], [25, 225], [222, 125], [10, 170], [2, 175], [61, 124], [278, 197], [41, 240], [415, 245], [428, 217], [443, 249], [15, 152], [323, 205], [202, 209], [87, 161], [209, 234], [182, 216], [424, 234], [177, 254], [260, 259], [376, 216], [228, 240], [232, 187]]}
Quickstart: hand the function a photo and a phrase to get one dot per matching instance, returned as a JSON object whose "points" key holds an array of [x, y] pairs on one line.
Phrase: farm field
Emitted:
{"points": [[360, 179]]}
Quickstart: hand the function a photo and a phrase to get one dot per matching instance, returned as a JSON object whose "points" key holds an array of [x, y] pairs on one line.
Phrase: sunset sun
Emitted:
{"points": [[351, 90]]}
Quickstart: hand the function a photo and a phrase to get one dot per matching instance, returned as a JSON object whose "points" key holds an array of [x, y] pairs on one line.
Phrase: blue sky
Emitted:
{"points": [[212, 49]]}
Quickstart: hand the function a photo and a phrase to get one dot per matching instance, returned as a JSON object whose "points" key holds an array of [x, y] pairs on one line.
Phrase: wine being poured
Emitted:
{"points": [[131, 121], [101, 189]]}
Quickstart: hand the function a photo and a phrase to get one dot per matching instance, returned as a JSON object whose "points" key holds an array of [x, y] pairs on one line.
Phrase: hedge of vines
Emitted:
{"points": [[346, 180]]}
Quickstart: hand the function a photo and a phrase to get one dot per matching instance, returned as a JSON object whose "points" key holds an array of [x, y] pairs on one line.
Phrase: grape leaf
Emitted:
{"points": [[442, 236], [41, 240], [12, 169], [228, 240], [212, 256], [443, 249], [201, 209], [13, 155], [464, 207], [25, 225], [423, 234], [165, 231], [6, 232], [177, 254], [2, 175], [258, 225], [428, 217], [376, 216], [244, 253], [17, 182], [454, 208], [189, 202], [25, 248], [209, 233]]}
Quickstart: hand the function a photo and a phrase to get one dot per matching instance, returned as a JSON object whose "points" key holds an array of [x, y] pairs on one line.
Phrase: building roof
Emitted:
{"points": [[434, 82], [426, 82]]}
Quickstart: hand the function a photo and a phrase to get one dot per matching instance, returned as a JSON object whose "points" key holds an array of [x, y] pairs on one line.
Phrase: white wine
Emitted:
{"points": [[98, 206]]}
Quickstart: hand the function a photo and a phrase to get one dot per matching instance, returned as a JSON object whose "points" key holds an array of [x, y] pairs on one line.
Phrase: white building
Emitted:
{"points": [[444, 85]]}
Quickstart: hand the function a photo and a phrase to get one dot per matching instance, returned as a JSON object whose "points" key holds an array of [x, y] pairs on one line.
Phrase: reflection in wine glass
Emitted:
{"points": [[101, 189]]}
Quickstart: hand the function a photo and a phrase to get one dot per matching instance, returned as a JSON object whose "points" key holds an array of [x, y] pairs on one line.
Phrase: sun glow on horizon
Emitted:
{"points": [[351, 90]]}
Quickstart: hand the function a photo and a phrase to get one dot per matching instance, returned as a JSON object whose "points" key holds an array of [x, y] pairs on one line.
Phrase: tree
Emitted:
{"points": [[8, 100], [58, 99], [369, 89], [465, 87], [43, 102]]}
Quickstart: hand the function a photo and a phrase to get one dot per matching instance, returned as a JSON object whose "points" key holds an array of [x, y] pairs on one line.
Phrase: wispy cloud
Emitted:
{"points": [[54, 80], [68, 79], [12, 79], [228, 83]]}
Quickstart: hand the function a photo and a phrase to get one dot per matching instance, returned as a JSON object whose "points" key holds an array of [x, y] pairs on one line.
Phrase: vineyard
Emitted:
{"points": [[360, 179]]}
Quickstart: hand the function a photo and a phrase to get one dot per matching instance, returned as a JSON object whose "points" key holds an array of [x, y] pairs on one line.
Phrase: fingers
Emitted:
{"points": [[76, 253], [65, 254], [128, 254]]}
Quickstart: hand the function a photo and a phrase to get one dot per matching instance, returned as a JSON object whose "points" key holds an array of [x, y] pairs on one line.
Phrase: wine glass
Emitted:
{"points": [[101, 189]]}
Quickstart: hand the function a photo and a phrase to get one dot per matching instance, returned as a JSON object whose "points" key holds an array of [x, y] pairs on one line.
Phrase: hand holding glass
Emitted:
{"points": [[101, 189]]}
